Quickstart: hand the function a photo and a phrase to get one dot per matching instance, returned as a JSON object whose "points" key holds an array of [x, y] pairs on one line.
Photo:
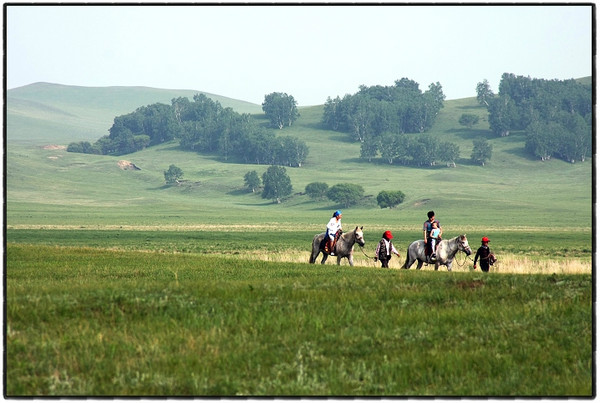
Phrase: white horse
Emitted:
{"points": [[445, 253], [344, 247]]}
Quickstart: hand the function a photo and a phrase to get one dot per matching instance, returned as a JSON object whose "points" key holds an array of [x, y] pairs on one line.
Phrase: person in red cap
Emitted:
{"points": [[384, 249], [483, 254]]}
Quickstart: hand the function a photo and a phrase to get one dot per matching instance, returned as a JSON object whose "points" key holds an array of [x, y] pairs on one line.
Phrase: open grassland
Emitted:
{"points": [[522, 251], [93, 322], [117, 284]]}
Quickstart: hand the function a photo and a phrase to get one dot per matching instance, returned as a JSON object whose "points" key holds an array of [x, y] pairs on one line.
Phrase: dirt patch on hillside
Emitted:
{"points": [[421, 202], [54, 147], [128, 165]]}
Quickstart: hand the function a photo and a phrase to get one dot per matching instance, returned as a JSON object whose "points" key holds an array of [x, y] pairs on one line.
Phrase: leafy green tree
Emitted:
{"points": [[468, 120], [281, 109], [424, 150], [368, 148], [293, 151], [484, 93], [448, 152], [317, 190], [347, 194], [502, 114], [173, 174], [386, 199], [277, 184], [482, 151], [252, 181]]}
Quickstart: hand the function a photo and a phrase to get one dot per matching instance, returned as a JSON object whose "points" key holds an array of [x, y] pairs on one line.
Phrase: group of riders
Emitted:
{"points": [[432, 235]]}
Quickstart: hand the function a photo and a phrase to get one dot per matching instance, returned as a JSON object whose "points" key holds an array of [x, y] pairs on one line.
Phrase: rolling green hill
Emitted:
{"points": [[48, 186]]}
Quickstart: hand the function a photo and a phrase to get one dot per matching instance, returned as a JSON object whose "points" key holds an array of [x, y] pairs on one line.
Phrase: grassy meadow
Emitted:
{"points": [[119, 285], [95, 322]]}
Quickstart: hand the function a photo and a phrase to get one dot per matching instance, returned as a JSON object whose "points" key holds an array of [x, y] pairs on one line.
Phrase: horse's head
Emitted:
{"points": [[358, 236], [463, 244]]}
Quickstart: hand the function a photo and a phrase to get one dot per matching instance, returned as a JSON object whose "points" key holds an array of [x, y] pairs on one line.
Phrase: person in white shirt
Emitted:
{"points": [[384, 249], [333, 226]]}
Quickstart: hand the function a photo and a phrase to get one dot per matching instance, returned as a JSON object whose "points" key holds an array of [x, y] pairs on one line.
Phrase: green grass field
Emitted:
{"points": [[94, 322], [117, 284]]}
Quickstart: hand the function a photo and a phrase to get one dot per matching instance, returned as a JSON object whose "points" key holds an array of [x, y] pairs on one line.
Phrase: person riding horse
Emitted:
{"points": [[427, 229], [334, 230]]}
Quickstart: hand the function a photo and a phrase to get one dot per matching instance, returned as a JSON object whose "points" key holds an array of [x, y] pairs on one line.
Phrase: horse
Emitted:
{"points": [[344, 247], [445, 252]]}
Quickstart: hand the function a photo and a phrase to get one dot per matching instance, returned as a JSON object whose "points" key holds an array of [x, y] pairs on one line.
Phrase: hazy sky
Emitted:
{"points": [[309, 52]]}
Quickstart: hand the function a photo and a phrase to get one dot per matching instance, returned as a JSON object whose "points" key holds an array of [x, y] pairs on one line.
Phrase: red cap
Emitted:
{"points": [[485, 239], [388, 234]]}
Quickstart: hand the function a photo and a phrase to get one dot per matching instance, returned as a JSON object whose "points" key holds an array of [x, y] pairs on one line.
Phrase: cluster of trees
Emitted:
{"points": [[202, 126], [372, 111], [555, 115], [276, 183], [410, 149], [348, 194], [277, 186]]}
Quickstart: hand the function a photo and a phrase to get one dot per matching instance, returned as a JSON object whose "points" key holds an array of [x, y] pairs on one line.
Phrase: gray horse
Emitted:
{"points": [[445, 253], [344, 247]]}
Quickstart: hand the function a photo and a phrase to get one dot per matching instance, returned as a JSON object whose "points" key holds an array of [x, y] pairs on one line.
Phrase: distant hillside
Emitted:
{"points": [[70, 113], [46, 184]]}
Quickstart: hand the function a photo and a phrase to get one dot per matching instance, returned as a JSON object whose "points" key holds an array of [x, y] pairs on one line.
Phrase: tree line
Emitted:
{"points": [[556, 115], [203, 125], [390, 122]]}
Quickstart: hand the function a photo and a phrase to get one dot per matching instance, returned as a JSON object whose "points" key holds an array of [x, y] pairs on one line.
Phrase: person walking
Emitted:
{"points": [[384, 250], [485, 256]]}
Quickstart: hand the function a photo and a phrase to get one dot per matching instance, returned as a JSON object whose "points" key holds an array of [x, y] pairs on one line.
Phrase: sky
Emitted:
{"points": [[310, 52]]}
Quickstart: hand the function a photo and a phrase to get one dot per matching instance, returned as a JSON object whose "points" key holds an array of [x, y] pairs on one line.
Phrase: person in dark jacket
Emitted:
{"points": [[384, 249], [483, 254]]}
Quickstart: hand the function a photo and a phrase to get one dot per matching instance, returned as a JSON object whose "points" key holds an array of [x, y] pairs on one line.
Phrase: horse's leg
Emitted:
{"points": [[325, 256], [437, 265], [339, 260], [351, 259], [419, 264], [449, 265], [313, 256]]}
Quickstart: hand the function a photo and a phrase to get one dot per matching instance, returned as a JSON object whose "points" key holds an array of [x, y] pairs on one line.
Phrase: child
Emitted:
{"points": [[384, 249], [434, 234], [485, 255]]}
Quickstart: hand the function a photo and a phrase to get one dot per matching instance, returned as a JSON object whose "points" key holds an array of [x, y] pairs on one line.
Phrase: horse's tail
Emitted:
{"points": [[406, 261], [315, 249]]}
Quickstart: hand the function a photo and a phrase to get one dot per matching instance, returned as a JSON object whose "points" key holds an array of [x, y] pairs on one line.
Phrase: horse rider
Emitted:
{"points": [[427, 228], [333, 226]]}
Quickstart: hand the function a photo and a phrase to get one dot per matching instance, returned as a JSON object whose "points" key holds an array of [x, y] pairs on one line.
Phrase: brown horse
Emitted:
{"points": [[344, 247]]}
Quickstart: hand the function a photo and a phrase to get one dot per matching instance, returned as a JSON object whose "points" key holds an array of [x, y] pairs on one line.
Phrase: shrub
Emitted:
{"points": [[317, 190], [346, 194], [173, 174], [387, 199]]}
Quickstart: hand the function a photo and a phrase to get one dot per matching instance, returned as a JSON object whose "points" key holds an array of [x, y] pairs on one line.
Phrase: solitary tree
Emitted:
{"points": [[317, 190], [484, 93], [387, 199], [173, 174], [482, 151], [252, 181], [281, 109], [468, 119], [346, 194], [277, 184]]}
